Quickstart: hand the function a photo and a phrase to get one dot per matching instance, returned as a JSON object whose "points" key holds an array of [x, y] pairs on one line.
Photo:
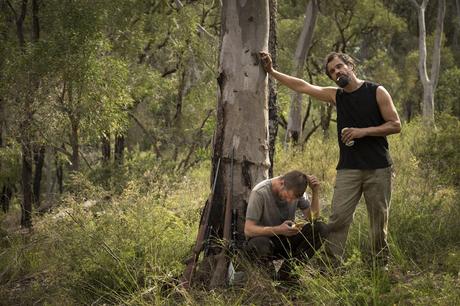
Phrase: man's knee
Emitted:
{"points": [[320, 229], [260, 247]]}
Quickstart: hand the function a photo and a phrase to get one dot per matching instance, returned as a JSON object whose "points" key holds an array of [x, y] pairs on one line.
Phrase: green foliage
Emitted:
{"points": [[119, 233], [10, 165], [119, 251], [438, 151], [425, 196], [447, 98]]}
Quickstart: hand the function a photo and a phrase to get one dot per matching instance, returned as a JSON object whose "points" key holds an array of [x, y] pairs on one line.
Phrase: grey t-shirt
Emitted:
{"points": [[268, 210]]}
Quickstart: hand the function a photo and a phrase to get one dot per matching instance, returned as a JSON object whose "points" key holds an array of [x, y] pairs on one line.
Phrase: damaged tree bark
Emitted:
{"points": [[242, 116], [273, 92]]}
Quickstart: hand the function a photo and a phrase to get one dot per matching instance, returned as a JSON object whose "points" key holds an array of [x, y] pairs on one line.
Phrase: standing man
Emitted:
{"points": [[365, 116], [270, 228]]}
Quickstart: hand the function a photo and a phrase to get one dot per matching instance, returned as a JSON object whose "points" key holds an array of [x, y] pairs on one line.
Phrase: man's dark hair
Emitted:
{"points": [[295, 181], [347, 59]]}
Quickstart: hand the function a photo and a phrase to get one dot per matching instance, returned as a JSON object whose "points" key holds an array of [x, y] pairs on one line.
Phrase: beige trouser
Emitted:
{"points": [[350, 185]]}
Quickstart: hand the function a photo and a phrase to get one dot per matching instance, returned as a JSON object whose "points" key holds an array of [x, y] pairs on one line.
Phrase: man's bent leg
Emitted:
{"points": [[261, 248], [347, 192], [377, 193], [309, 240]]}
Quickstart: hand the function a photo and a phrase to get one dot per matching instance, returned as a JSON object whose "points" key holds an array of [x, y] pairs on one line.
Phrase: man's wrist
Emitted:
{"points": [[274, 230]]}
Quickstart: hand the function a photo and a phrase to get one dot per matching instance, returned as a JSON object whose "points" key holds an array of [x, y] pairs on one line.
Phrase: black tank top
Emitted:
{"points": [[360, 109]]}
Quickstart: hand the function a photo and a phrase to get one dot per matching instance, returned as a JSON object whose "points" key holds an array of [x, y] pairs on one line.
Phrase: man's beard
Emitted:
{"points": [[342, 81]]}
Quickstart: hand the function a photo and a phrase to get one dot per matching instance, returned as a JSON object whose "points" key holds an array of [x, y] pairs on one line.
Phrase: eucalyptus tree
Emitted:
{"points": [[294, 127], [429, 82], [241, 135], [23, 71]]}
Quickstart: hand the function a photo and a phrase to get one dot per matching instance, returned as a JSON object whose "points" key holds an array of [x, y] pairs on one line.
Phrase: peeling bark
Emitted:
{"points": [[242, 111], [242, 108], [273, 94]]}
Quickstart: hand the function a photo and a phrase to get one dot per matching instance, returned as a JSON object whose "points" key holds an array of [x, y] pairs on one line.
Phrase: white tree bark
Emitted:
{"points": [[242, 108], [241, 141], [294, 128], [429, 83]]}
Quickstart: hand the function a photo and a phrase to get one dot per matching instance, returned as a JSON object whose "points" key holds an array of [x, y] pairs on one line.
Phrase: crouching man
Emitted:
{"points": [[270, 228]]}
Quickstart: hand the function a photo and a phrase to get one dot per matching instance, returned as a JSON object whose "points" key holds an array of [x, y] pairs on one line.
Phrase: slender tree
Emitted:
{"points": [[429, 83], [294, 128]]}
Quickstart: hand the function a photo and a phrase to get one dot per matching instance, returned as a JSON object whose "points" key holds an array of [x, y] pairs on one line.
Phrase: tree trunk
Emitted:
{"points": [[119, 149], [105, 147], [273, 94], [39, 160], [294, 129], [326, 114], [25, 133], [242, 110], [5, 197], [59, 172], [408, 110], [7, 190], [26, 206], [429, 83], [74, 143]]}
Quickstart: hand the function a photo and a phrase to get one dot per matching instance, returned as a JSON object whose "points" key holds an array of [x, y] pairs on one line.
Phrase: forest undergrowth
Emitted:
{"points": [[121, 239]]}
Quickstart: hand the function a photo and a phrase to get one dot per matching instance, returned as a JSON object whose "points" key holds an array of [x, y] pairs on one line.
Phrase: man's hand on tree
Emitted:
{"points": [[266, 61]]}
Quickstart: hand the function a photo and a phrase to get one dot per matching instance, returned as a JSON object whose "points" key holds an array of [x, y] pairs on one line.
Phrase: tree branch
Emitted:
{"points": [[12, 8], [310, 133], [183, 164], [147, 133]]}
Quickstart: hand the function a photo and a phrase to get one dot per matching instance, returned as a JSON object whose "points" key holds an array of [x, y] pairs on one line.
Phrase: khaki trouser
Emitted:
{"points": [[350, 185]]}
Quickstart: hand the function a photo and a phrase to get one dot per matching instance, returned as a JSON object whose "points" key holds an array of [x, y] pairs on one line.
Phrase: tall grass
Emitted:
{"points": [[127, 247]]}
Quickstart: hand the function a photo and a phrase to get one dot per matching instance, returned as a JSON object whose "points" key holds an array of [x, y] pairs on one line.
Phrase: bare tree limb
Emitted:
{"points": [[183, 164], [12, 9], [310, 133], [147, 133]]}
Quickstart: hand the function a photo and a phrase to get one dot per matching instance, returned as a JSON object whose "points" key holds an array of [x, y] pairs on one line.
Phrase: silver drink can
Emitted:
{"points": [[349, 143]]}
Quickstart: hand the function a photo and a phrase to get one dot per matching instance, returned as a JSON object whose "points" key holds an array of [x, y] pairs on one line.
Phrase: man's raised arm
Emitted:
{"points": [[326, 94]]}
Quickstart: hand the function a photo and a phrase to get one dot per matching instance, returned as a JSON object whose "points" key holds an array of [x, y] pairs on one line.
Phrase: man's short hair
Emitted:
{"points": [[347, 59], [295, 181]]}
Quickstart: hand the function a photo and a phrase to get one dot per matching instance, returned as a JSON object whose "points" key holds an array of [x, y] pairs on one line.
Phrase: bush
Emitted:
{"points": [[425, 197], [438, 151]]}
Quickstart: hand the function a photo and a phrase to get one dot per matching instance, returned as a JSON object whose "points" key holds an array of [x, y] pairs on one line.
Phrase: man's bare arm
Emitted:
{"points": [[313, 211], [251, 229], [326, 94]]}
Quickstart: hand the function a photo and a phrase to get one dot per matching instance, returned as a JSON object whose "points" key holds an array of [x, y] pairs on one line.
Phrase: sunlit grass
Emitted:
{"points": [[127, 248]]}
